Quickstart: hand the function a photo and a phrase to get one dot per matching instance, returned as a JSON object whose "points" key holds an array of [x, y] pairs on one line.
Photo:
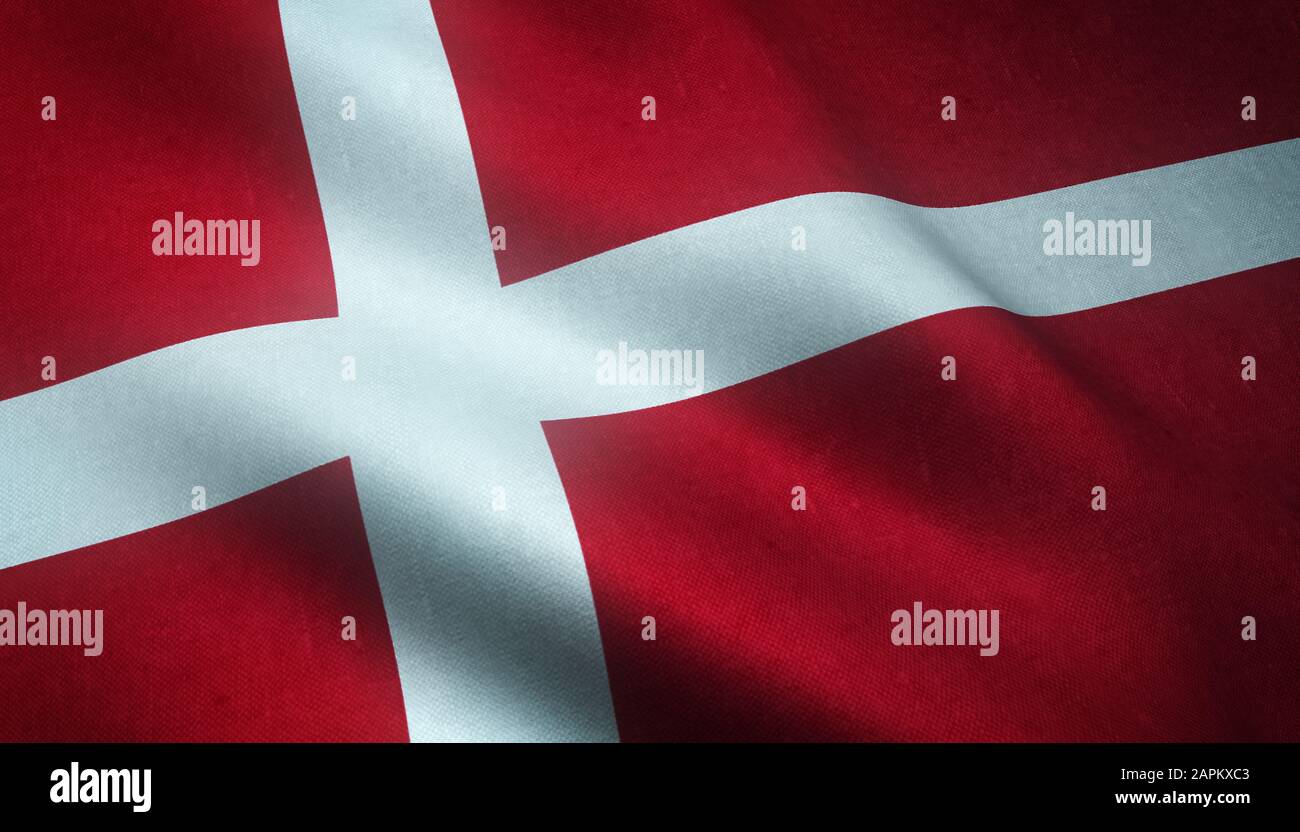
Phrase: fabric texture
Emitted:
{"points": [[527, 187]]}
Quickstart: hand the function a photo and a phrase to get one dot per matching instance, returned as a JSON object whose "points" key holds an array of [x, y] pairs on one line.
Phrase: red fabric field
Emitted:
{"points": [[162, 106], [1125, 624], [222, 627], [758, 101]]}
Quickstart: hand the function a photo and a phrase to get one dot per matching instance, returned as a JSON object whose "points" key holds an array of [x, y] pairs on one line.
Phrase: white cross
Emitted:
{"points": [[490, 611]]}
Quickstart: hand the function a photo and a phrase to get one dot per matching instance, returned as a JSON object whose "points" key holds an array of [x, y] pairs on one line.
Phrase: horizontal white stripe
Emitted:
{"points": [[734, 288]]}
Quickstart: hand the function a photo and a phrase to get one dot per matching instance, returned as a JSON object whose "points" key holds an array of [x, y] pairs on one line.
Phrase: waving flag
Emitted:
{"points": [[654, 371]]}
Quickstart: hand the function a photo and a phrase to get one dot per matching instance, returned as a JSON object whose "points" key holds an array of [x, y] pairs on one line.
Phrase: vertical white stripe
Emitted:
{"points": [[491, 611]]}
